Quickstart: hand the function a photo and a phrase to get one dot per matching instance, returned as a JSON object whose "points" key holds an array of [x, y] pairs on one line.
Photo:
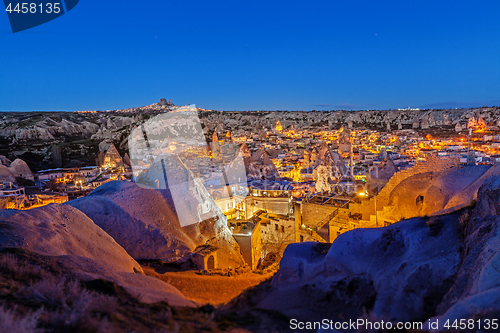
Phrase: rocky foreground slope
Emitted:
{"points": [[71, 267], [146, 224], [76, 243]]}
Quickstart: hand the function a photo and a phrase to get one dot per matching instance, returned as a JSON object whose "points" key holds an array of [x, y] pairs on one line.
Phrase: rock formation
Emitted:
{"points": [[425, 122], [75, 242], [379, 175], [472, 122], [416, 122], [446, 120], [432, 121], [146, 222], [427, 268], [18, 168]]}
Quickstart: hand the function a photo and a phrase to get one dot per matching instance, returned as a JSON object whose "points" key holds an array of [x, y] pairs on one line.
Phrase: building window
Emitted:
{"points": [[276, 227], [282, 228]]}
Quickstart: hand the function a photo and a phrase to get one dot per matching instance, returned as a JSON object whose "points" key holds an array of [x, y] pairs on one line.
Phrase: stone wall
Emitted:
{"points": [[281, 206], [433, 163], [312, 214]]}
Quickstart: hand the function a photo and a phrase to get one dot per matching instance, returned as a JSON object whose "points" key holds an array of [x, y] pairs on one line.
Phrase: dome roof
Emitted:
{"points": [[5, 173], [19, 167]]}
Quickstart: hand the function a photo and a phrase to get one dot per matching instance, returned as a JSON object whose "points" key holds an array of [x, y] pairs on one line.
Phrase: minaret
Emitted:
{"points": [[215, 145], [470, 159], [351, 158]]}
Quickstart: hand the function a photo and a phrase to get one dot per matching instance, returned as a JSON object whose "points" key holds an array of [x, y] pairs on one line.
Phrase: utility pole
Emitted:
{"points": [[468, 147], [351, 158]]}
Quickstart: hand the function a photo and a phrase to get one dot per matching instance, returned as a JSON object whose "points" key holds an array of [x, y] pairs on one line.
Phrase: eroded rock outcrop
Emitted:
{"points": [[146, 223], [476, 291], [81, 247], [436, 193], [443, 267], [399, 273], [18, 168]]}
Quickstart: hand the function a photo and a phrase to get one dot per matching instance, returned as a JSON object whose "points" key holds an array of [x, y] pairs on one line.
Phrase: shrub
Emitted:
{"points": [[15, 323]]}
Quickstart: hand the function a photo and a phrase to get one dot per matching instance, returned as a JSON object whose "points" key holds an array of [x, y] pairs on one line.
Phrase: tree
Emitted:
{"points": [[20, 181]]}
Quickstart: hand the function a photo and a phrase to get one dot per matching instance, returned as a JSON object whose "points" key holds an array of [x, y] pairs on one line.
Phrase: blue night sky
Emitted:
{"points": [[250, 55]]}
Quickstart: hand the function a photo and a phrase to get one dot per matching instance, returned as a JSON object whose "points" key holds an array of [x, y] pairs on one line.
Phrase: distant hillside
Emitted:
{"points": [[47, 139]]}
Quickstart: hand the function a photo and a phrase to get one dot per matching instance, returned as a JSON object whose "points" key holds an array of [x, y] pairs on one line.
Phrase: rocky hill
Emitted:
{"points": [[50, 139], [146, 223], [76, 243], [53, 139]]}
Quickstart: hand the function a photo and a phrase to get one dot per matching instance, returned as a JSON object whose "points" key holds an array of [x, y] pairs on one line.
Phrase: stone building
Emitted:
{"points": [[205, 257], [248, 236], [111, 158]]}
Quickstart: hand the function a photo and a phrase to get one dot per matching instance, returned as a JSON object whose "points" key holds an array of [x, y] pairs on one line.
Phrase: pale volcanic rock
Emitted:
{"points": [[391, 273], [232, 123], [425, 122], [19, 168], [488, 203], [104, 145], [80, 246], [5, 161], [476, 291], [6, 174], [432, 121], [379, 175], [48, 129], [469, 194], [416, 122], [145, 222], [432, 192], [59, 230], [446, 120], [33, 133]]}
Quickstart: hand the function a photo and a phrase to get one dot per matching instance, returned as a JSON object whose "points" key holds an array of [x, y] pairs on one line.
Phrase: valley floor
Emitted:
{"points": [[212, 289]]}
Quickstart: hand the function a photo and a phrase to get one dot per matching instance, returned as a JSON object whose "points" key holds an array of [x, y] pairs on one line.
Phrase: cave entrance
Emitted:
{"points": [[419, 200], [211, 262]]}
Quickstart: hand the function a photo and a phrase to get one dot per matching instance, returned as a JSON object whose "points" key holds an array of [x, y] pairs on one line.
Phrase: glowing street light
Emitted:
{"points": [[365, 194]]}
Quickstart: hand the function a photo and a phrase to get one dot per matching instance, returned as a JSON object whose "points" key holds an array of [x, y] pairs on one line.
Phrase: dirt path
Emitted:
{"points": [[213, 289]]}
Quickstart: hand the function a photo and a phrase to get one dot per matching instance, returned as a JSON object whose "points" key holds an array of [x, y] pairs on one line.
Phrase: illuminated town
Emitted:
{"points": [[301, 182], [250, 166], [215, 202]]}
